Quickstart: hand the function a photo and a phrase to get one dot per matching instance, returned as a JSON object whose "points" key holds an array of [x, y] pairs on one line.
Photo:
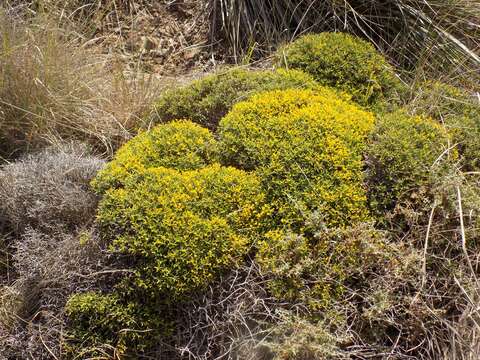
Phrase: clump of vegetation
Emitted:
{"points": [[313, 268], [48, 247], [405, 155], [180, 145], [102, 323], [207, 100], [342, 61], [48, 188], [178, 231], [306, 148], [182, 228], [458, 111]]}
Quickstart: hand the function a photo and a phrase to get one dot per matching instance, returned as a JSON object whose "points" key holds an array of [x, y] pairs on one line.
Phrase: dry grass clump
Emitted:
{"points": [[48, 188], [50, 252], [48, 268], [54, 87]]}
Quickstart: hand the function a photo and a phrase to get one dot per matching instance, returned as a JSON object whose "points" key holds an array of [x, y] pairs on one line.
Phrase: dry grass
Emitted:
{"points": [[437, 36], [55, 87], [49, 188], [50, 253]]}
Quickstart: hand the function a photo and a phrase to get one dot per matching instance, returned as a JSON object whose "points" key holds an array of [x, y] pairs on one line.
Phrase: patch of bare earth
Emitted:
{"points": [[167, 38]]}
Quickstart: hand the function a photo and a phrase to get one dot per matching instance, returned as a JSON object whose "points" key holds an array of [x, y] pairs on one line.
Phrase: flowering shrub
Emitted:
{"points": [[403, 153], [342, 61], [180, 145], [207, 100], [306, 147]]}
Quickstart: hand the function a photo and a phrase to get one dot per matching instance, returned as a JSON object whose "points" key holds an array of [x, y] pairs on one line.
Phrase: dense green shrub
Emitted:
{"points": [[403, 155], [175, 232], [306, 148], [207, 100], [97, 321], [458, 111], [344, 62], [182, 228], [180, 145]]}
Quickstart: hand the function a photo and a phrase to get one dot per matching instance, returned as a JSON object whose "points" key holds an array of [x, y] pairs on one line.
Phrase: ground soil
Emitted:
{"points": [[167, 38]]}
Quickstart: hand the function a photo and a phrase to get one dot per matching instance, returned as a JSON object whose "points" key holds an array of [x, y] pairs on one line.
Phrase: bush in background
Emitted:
{"points": [[430, 37], [207, 100], [344, 62], [458, 111], [405, 155]]}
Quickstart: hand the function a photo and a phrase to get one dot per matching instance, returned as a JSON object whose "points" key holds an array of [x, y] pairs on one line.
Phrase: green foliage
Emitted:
{"points": [[180, 145], [404, 154], [100, 323], [182, 229], [176, 230], [306, 148], [458, 111], [344, 62], [314, 267], [207, 100]]}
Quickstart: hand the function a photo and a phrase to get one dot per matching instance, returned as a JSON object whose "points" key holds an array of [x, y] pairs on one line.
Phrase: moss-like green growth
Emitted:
{"points": [[458, 111], [207, 100], [182, 228], [403, 153], [100, 324], [306, 148], [345, 62], [180, 145]]}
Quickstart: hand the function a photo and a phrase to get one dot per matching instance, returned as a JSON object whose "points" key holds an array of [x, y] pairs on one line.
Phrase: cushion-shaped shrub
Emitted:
{"points": [[306, 148], [207, 100], [458, 111], [49, 189], [181, 229], [342, 61], [405, 152], [180, 145]]}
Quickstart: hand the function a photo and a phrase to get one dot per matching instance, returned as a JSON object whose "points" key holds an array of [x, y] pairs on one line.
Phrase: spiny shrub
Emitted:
{"points": [[47, 188], [342, 61], [458, 111], [180, 145], [306, 148], [207, 100], [404, 154], [314, 267], [182, 228]]}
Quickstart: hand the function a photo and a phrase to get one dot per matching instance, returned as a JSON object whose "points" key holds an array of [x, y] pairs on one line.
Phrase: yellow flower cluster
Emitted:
{"points": [[306, 147], [185, 227], [180, 145]]}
